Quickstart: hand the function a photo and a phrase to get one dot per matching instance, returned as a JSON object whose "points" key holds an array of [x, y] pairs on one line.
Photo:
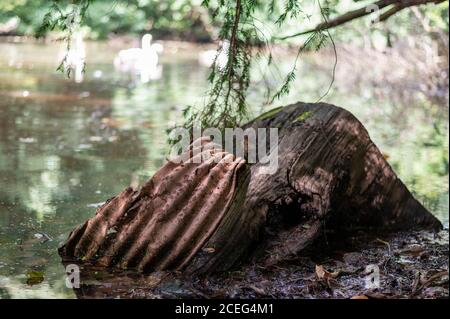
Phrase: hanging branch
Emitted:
{"points": [[398, 5], [237, 17], [226, 104]]}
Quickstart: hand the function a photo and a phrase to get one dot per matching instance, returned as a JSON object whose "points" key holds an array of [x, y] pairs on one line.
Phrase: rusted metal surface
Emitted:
{"points": [[166, 222]]}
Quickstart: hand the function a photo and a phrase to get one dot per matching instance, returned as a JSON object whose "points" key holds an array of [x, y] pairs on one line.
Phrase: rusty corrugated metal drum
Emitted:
{"points": [[168, 221]]}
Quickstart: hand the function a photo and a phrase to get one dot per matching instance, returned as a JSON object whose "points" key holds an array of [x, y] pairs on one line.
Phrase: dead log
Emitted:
{"points": [[210, 216]]}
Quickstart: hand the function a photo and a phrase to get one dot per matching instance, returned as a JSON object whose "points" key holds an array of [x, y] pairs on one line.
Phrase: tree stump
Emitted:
{"points": [[210, 216]]}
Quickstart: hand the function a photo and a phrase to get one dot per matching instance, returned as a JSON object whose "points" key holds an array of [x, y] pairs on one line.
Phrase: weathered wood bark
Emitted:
{"points": [[208, 217]]}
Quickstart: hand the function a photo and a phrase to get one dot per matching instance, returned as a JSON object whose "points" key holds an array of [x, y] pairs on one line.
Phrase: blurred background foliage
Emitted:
{"points": [[182, 19], [188, 20]]}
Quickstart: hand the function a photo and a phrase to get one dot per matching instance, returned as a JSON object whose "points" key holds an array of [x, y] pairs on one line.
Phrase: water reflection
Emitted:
{"points": [[74, 59], [66, 147]]}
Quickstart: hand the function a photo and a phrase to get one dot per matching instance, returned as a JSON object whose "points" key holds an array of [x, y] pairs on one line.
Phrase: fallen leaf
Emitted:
{"points": [[435, 277], [258, 290], [375, 295], [413, 250], [322, 273], [359, 297]]}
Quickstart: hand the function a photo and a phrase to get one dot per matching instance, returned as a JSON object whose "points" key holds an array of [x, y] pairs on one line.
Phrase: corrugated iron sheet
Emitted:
{"points": [[165, 223]]}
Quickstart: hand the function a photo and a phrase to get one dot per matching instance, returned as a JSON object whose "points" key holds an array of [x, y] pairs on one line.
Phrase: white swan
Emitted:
{"points": [[206, 58], [76, 57], [142, 61]]}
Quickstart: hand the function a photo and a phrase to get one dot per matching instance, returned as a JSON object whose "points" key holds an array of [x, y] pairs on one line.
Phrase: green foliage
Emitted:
{"points": [[237, 27], [29, 13], [226, 104], [187, 17], [250, 27], [66, 17], [34, 277], [175, 18]]}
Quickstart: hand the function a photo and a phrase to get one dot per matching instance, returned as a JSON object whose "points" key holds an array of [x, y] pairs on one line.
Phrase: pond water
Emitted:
{"points": [[65, 147]]}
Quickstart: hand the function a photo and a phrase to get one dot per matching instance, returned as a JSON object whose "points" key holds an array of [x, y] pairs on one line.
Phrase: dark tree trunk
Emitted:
{"points": [[210, 216]]}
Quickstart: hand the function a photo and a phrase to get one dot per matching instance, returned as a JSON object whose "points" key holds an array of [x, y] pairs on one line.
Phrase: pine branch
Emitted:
{"points": [[237, 17]]}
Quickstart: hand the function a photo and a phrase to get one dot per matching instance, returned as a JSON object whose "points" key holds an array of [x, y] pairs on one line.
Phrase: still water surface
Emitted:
{"points": [[65, 147]]}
